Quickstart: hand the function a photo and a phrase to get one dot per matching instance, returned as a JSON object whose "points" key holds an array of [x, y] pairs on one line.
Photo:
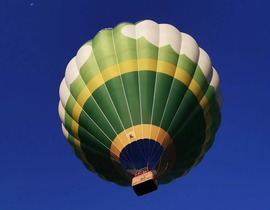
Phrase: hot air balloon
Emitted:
{"points": [[140, 104]]}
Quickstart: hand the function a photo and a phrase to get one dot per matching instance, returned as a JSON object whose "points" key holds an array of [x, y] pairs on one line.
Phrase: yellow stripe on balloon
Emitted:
{"points": [[166, 68], [182, 76], [133, 66], [143, 131], [75, 128], [196, 89], [76, 111]]}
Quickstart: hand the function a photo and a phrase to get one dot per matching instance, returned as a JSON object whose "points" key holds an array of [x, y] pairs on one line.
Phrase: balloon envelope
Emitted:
{"points": [[140, 95]]}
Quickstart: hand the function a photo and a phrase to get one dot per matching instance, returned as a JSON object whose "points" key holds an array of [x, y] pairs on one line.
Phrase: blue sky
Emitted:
{"points": [[38, 168]]}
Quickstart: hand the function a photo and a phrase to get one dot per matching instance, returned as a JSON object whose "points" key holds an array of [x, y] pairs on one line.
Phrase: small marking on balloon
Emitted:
{"points": [[131, 135]]}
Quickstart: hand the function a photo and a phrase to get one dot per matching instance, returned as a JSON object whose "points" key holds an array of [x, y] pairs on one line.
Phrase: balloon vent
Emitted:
{"points": [[140, 153], [144, 182]]}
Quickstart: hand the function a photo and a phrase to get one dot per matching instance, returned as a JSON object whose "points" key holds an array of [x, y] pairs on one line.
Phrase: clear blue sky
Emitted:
{"points": [[38, 168]]}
